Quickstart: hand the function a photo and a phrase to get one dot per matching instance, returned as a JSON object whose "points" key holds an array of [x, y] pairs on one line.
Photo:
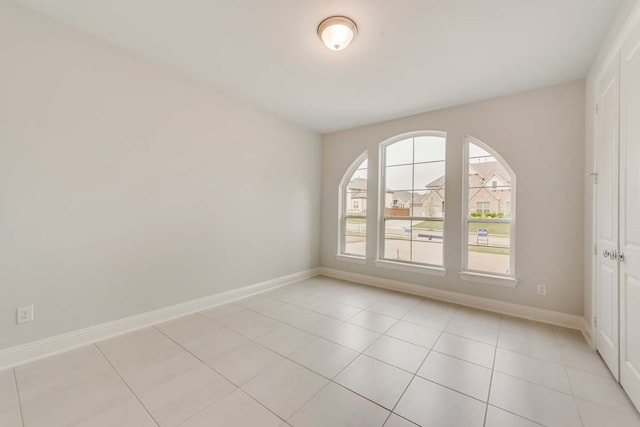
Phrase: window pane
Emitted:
{"points": [[355, 236], [414, 180], [354, 198], [399, 178], [427, 242], [429, 149], [359, 174], [417, 203], [489, 246], [428, 175], [356, 203], [399, 153], [397, 240], [398, 203], [356, 192], [489, 185]]}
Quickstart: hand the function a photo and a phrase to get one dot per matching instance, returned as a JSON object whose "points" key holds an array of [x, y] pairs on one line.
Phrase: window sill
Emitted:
{"points": [[414, 268], [351, 258], [489, 279]]}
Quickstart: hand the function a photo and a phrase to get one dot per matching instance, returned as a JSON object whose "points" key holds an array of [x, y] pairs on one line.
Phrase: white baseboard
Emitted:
{"points": [[502, 307], [36, 350], [587, 332], [24, 353]]}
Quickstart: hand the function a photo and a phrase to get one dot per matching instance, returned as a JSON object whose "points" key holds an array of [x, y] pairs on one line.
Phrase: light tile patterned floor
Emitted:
{"points": [[324, 353]]}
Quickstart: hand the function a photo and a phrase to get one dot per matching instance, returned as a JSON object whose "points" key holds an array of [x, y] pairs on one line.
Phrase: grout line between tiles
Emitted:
{"points": [[309, 399], [15, 381], [360, 353], [517, 415], [125, 383], [573, 396], [495, 346], [413, 374], [372, 302], [411, 381], [219, 373], [493, 369], [387, 419]]}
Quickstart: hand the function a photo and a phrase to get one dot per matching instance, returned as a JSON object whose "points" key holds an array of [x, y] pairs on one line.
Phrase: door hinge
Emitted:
{"points": [[595, 249], [597, 108], [595, 321]]}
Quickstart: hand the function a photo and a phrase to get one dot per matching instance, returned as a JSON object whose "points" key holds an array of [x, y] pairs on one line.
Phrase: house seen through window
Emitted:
{"points": [[413, 199], [489, 218], [412, 206], [353, 221]]}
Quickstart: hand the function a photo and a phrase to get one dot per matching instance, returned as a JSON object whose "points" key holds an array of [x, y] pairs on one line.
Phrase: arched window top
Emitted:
{"points": [[489, 212], [478, 152], [357, 169], [353, 209], [413, 134]]}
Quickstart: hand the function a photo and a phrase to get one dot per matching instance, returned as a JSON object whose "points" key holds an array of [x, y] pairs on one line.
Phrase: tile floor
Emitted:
{"points": [[324, 353]]}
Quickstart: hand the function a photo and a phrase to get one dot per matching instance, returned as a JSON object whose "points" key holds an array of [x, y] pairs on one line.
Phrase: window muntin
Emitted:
{"points": [[353, 214], [412, 195], [483, 208], [489, 217]]}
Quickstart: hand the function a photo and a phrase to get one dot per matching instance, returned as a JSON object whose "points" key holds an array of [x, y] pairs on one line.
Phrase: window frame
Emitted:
{"points": [[342, 211], [381, 261], [507, 280]]}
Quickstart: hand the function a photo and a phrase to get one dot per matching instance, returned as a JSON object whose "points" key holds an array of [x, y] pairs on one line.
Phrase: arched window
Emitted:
{"points": [[353, 210], [412, 199], [489, 214]]}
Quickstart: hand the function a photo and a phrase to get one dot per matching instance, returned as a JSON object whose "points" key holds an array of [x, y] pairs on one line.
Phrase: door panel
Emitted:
{"points": [[607, 297], [630, 217], [607, 294], [632, 327]]}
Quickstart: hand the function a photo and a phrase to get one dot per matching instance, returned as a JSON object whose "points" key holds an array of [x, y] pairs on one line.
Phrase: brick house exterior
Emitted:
{"points": [[489, 192]]}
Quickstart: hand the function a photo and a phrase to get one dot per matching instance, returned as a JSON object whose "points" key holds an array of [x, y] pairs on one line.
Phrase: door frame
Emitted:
{"points": [[611, 71], [600, 68]]}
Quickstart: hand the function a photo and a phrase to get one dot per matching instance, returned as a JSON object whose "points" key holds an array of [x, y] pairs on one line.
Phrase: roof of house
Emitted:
{"points": [[485, 169], [437, 193], [405, 196], [478, 174], [436, 183], [357, 184]]}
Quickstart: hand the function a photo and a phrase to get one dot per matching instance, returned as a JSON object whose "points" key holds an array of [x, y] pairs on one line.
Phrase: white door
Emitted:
{"points": [[630, 217], [607, 127]]}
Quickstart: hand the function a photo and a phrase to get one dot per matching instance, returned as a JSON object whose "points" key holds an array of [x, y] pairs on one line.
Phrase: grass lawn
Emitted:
{"points": [[495, 228], [429, 225], [489, 250], [356, 220]]}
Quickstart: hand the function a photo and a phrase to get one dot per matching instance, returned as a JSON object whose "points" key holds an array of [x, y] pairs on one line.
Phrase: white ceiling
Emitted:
{"points": [[410, 56]]}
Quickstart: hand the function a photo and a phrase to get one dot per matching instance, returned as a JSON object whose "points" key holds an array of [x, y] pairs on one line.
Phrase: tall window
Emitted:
{"points": [[412, 199], [353, 209], [488, 211]]}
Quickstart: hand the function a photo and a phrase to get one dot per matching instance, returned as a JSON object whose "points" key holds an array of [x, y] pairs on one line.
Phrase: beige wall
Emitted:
{"points": [[541, 135], [115, 180]]}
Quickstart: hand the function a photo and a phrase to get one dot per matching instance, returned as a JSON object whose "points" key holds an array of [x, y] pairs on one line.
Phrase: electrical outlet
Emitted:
{"points": [[542, 290], [25, 314]]}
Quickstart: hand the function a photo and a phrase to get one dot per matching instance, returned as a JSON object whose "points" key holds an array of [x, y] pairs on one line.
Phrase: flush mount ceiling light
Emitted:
{"points": [[336, 32]]}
